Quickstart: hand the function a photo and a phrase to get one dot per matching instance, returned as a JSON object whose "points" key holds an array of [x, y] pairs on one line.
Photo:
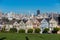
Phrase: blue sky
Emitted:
{"points": [[23, 6]]}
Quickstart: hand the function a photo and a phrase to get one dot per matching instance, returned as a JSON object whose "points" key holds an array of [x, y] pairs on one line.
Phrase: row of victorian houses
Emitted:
{"points": [[29, 22]]}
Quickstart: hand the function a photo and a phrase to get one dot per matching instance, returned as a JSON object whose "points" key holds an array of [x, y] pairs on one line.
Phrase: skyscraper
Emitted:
{"points": [[38, 12]]}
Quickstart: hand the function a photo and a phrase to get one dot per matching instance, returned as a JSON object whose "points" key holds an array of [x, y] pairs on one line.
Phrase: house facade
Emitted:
{"points": [[29, 24], [22, 25], [44, 24], [53, 23]]}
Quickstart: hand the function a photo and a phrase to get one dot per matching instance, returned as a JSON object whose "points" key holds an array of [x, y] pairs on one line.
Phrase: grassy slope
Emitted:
{"points": [[16, 36]]}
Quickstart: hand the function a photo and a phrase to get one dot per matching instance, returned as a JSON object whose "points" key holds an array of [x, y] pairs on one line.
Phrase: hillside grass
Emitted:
{"points": [[21, 36]]}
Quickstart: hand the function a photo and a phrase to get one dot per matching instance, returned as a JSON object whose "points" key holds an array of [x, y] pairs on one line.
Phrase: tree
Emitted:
{"points": [[13, 30], [46, 30], [37, 30], [30, 30], [21, 31], [55, 30]]}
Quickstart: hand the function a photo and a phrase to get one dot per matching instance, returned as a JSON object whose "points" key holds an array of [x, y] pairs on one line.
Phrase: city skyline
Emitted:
{"points": [[24, 6]]}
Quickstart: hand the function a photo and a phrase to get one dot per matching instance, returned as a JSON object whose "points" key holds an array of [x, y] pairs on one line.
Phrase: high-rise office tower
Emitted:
{"points": [[38, 12]]}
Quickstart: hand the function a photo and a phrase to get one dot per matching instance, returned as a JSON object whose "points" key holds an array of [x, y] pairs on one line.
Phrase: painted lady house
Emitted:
{"points": [[29, 24], [44, 24], [35, 22], [22, 25], [53, 22]]}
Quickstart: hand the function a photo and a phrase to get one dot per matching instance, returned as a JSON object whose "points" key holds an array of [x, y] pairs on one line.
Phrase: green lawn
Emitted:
{"points": [[17, 36]]}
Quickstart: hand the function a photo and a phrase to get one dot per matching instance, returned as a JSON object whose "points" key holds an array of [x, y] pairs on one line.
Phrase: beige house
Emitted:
{"points": [[53, 22], [29, 24]]}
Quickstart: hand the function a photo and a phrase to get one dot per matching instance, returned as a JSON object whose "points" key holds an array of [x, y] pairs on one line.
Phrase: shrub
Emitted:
{"points": [[30, 31], [46, 30], [37, 30], [21, 31], [55, 30], [3, 30], [13, 30]]}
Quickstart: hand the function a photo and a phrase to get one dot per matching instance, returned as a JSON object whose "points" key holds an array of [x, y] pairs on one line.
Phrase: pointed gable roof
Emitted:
{"points": [[44, 21], [21, 23], [53, 20], [25, 20], [47, 19], [29, 21], [39, 20], [35, 21], [15, 23]]}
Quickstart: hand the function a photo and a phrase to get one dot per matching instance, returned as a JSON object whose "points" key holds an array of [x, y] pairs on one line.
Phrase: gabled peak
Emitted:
{"points": [[21, 22], [44, 20]]}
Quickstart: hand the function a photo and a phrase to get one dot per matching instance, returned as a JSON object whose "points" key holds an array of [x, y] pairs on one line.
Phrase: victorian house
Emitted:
{"points": [[53, 22], [22, 25], [44, 24], [16, 25], [29, 24], [35, 23]]}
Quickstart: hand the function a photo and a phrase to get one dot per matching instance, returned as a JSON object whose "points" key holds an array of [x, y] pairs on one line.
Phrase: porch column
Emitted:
{"points": [[26, 30], [33, 30], [41, 30], [50, 29]]}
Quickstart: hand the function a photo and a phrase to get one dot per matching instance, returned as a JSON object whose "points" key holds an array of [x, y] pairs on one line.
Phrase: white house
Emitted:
{"points": [[16, 25], [22, 25], [44, 24], [8, 26]]}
